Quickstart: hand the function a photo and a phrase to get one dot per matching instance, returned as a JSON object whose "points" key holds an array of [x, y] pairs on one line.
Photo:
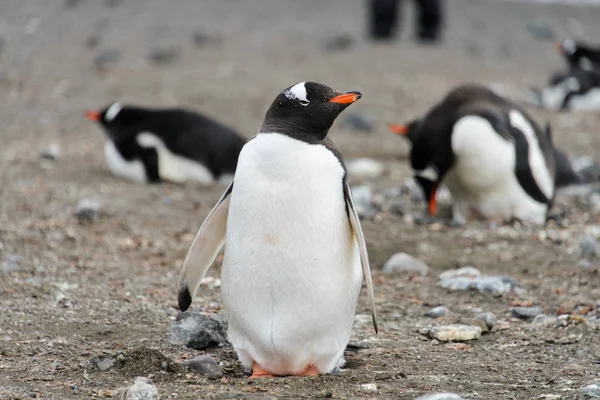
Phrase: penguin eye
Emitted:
{"points": [[304, 102]]}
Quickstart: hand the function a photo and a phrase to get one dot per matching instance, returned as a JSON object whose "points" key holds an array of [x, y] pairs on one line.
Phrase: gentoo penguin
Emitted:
{"points": [[565, 174], [494, 159], [176, 145], [578, 54], [577, 89], [294, 247]]}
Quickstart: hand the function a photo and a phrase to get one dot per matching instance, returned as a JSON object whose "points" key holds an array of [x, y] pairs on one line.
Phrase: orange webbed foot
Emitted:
{"points": [[258, 372], [311, 370]]}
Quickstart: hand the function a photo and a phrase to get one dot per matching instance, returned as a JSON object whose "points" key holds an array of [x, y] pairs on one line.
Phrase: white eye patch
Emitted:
{"points": [[112, 112], [298, 92], [428, 173]]}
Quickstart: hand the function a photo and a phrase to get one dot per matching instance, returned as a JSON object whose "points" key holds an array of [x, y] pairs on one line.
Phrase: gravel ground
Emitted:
{"points": [[71, 289]]}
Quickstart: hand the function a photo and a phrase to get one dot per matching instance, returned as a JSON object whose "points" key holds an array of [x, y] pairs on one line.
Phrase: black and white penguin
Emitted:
{"points": [[175, 145], [493, 158], [295, 254], [577, 89], [578, 54]]}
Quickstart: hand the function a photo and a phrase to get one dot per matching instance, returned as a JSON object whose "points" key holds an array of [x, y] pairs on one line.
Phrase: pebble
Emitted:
{"points": [[437, 312], [11, 263], [201, 39], [87, 210], [197, 331], [403, 262], [564, 170], [452, 333], [362, 197], [204, 365], [365, 168], [588, 247], [587, 168], [494, 285], [440, 396], [592, 390], [338, 42], [51, 152], [142, 389], [459, 283], [369, 387], [477, 322], [526, 312], [358, 122], [106, 363], [488, 318], [162, 56], [412, 188], [105, 57], [468, 271]]}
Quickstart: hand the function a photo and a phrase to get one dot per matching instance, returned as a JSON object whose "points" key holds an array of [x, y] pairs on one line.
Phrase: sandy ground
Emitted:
{"points": [[81, 290]]}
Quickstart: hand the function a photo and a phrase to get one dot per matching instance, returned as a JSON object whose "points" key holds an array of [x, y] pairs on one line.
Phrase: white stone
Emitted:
{"points": [[403, 262]]}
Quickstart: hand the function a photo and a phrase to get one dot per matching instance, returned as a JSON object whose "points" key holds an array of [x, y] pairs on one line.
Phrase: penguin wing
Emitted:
{"points": [[207, 244], [364, 257]]}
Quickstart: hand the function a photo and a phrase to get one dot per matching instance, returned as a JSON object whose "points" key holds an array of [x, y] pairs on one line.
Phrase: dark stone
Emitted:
{"points": [[526, 312], [198, 331], [163, 56], [204, 365]]}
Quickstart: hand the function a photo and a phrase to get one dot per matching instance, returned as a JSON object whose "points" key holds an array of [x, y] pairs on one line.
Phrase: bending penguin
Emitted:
{"points": [[578, 54], [175, 145], [295, 254], [495, 160], [577, 89]]}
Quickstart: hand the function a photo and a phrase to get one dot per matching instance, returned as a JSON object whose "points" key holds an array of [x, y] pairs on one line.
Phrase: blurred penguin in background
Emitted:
{"points": [[384, 14]]}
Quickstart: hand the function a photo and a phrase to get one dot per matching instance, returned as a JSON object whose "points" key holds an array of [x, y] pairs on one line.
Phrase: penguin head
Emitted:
{"points": [[307, 110], [407, 130], [117, 119]]}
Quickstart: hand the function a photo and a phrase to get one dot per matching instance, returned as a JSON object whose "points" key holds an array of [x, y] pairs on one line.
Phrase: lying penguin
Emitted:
{"points": [[578, 54], [294, 247], [495, 160], [577, 89], [176, 145]]}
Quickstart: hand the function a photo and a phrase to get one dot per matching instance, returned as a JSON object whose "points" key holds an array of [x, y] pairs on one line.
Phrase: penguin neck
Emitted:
{"points": [[293, 131]]}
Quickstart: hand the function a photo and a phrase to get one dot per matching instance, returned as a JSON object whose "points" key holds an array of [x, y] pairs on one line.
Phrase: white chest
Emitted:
{"points": [[119, 166]]}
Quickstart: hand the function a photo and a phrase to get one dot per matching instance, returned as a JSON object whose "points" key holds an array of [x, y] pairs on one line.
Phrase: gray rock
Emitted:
{"points": [[588, 247], [365, 168], [587, 169], [142, 389], [403, 262], [459, 283], [201, 39], [204, 365], [358, 122], [452, 333], [592, 390], [87, 210], [468, 272], [11, 263], [488, 318], [51, 152], [338, 42], [198, 331], [106, 57], [526, 312], [106, 363], [496, 284], [163, 56], [362, 196], [437, 312], [440, 396], [412, 188], [540, 30], [543, 320]]}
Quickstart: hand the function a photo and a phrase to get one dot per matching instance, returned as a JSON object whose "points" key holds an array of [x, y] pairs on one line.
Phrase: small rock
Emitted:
{"points": [[437, 312], [106, 363], [452, 333], [403, 262], [358, 122], [92, 42], [469, 272], [198, 331], [11, 263], [540, 30], [588, 247], [204, 365], [162, 56], [201, 39], [477, 322], [338, 42], [440, 396], [365, 168], [587, 169], [496, 284], [87, 210], [369, 387], [412, 188], [51, 152], [142, 389], [592, 390], [526, 312], [459, 283], [362, 197], [488, 318], [544, 320], [106, 57]]}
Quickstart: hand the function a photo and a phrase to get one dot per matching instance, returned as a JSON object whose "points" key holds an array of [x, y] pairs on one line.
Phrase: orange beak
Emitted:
{"points": [[92, 115], [433, 201], [559, 47], [398, 129], [346, 98]]}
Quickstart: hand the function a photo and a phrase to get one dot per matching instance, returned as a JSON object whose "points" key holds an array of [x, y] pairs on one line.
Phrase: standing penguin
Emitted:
{"points": [[294, 247], [578, 54], [154, 145], [494, 159]]}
